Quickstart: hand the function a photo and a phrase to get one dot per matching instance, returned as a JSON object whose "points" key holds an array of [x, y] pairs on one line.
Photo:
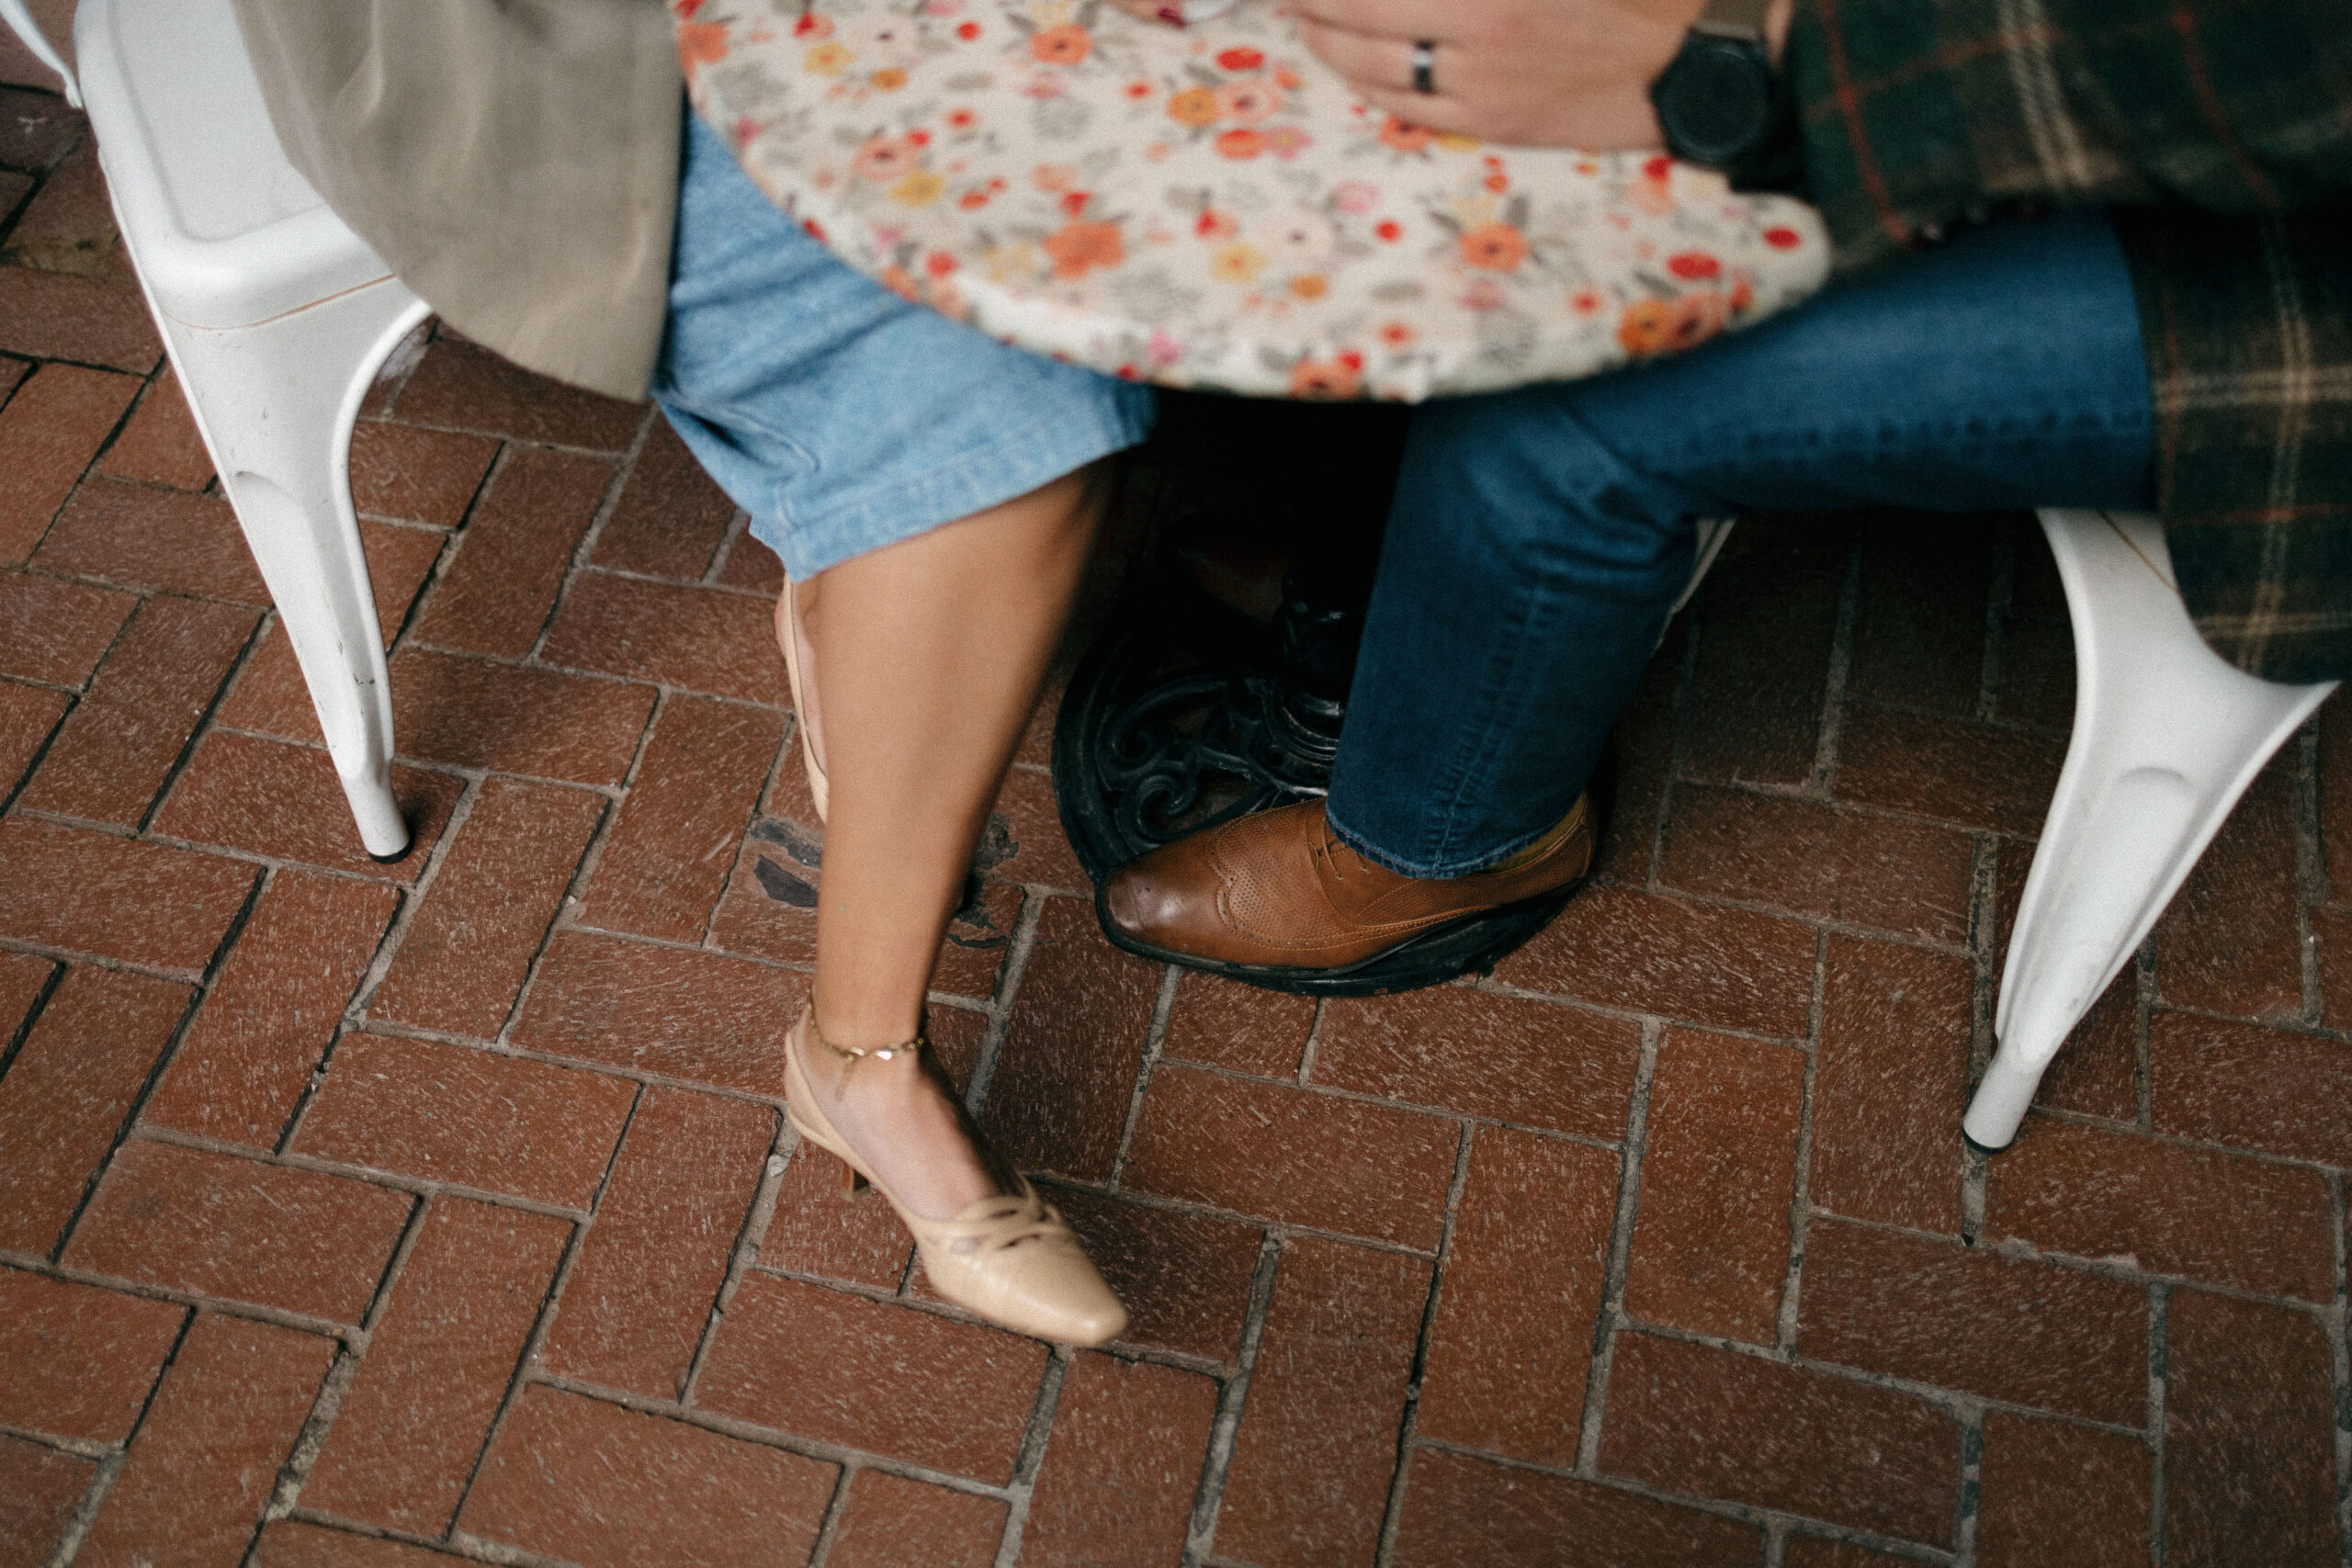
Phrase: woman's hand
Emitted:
{"points": [[1527, 73]]}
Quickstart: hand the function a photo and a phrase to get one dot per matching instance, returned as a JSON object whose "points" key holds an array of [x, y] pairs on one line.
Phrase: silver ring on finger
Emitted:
{"points": [[1425, 66]]}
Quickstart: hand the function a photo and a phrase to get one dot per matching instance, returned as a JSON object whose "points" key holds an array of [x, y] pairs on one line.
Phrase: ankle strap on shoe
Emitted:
{"points": [[921, 1042]]}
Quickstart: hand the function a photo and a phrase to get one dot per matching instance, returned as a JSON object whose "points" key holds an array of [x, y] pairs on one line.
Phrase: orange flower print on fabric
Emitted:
{"points": [[1237, 261], [1273, 234], [1078, 247], [1404, 135], [1670, 326], [1494, 247], [1065, 45], [1327, 381], [700, 44], [1645, 327], [1193, 107]]}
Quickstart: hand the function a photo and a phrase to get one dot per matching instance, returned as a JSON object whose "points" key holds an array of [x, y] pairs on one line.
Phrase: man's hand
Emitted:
{"points": [[1526, 72]]}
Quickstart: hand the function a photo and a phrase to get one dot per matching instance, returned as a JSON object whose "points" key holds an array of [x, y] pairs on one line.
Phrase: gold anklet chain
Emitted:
{"points": [[921, 1042]]}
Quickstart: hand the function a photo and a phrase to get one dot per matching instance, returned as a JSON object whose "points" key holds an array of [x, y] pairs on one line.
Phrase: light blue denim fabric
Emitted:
{"points": [[1539, 537], [839, 416]]}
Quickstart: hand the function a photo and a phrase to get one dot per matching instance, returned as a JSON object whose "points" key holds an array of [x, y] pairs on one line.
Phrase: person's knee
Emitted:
{"points": [[1517, 485]]}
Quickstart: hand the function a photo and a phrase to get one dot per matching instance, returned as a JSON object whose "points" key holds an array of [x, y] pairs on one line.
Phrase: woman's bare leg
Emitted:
{"points": [[930, 653]]}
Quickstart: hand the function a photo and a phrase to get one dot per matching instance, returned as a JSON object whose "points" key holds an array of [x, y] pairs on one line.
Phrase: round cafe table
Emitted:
{"points": [[1210, 207]]}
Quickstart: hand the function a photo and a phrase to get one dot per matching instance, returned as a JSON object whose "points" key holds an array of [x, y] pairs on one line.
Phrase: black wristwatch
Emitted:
{"points": [[1717, 99]]}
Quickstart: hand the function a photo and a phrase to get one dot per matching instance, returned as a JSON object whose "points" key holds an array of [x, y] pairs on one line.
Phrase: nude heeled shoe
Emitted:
{"points": [[1008, 1257], [797, 653]]}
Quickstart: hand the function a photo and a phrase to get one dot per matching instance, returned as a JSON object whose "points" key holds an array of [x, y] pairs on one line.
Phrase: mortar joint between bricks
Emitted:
{"points": [[746, 1250], [829, 1524], [1836, 678], [411, 899], [1154, 1041], [2159, 1371], [1307, 1052], [624, 467], [835, 1454], [129, 1126], [528, 1362], [24, 1028], [1972, 1471], [81, 1447], [1654, 867], [1008, 990], [739, 528], [1763, 1518], [196, 734], [85, 1512], [2000, 590], [301, 1323], [1611, 1316], [2311, 864], [1032, 1457], [2340, 1353], [1785, 1323], [1400, 1478], [286, 1492], [1199, 1535]]}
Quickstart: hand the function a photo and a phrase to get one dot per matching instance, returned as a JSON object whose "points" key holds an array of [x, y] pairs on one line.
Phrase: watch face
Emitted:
{"points": [[1715, 99]]}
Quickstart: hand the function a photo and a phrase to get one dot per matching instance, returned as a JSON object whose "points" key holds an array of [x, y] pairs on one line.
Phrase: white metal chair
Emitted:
{"points": [[2167, 737], [277, 318]]}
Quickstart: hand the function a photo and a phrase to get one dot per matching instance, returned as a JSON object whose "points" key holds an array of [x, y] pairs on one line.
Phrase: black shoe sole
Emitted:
{"points": [[1473, 943]]}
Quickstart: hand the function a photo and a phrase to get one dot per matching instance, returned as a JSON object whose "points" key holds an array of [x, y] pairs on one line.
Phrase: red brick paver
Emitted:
{"points": [[357, 1215]]}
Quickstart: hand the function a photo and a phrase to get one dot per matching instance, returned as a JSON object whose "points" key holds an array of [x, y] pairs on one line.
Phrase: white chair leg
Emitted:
{"points": [[1713, 532], [2167, 737], [275, 403], [20, 22]]}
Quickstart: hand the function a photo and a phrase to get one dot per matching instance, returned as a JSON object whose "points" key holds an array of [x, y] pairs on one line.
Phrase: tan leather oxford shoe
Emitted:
{"points": [[1275, 898]]}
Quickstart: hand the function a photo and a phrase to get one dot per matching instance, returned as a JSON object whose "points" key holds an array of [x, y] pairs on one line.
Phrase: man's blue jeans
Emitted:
{"points": [[1540, 537]]}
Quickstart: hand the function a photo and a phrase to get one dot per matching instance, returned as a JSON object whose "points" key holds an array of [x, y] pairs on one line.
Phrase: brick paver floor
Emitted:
{"points": [[384, 1216]]}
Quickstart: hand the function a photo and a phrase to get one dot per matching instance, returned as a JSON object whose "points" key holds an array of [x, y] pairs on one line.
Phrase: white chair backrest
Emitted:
{"points": [[225, 232]]}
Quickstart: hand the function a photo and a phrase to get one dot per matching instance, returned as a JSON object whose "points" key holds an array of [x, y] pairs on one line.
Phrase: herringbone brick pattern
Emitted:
{"points": [[387, 1216]]}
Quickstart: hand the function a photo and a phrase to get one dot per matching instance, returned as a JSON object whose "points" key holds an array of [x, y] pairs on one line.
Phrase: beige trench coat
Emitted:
{"points": [[515, 162]]}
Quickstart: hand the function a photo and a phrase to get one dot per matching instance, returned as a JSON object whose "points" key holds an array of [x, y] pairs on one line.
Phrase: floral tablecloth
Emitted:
{"points": [[1210, 207]]}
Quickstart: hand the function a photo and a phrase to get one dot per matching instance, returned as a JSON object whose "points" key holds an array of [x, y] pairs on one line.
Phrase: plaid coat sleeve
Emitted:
{"points": [[2222, 132]]}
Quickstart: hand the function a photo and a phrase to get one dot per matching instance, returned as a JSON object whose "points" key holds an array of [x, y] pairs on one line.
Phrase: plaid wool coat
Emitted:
{"points": [[2221, 133]]}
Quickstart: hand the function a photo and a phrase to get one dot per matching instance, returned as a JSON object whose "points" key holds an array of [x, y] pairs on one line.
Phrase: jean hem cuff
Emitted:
{"points": [[1428, 871]]}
